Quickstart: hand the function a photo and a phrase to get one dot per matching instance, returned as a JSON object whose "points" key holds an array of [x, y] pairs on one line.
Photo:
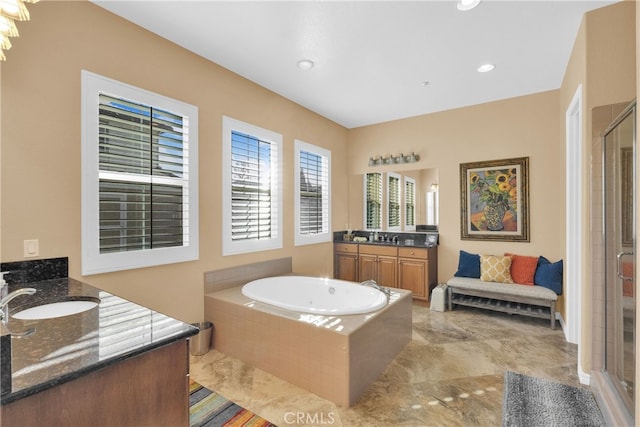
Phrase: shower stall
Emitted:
{"points": [[615, 342]]}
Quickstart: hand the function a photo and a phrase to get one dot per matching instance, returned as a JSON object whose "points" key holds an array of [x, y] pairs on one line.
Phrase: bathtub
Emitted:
{"points": [[315, 295], [335, 356]]}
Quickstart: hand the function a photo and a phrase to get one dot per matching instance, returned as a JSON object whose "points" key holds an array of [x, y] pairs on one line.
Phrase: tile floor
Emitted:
{"points": [[450, 374]]}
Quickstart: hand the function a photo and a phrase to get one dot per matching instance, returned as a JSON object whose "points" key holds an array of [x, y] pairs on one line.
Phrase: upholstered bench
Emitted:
{"points": [[511, 283], [513, 298]]}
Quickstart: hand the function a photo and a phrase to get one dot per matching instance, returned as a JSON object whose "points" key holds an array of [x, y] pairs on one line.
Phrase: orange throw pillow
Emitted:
{"points": [[523, 268]]}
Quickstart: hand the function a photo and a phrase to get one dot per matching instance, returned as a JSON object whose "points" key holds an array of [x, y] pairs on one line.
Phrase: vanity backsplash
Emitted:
{"points": [[35, 270]]}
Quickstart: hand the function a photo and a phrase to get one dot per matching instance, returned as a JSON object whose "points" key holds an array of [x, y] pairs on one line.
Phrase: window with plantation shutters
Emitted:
{"points": [[143, 178], [251, 188], [393, 201], [373, 200], [312, 194], [139, 177], [409, 204]]}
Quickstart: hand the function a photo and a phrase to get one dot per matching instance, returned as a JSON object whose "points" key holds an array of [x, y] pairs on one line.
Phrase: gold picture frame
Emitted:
{"points": [[494, 200]]}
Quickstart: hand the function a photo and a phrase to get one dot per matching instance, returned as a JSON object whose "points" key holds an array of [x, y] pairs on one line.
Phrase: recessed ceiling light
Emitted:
{"points": [[485, 68], [305, 64], [467, 4]]}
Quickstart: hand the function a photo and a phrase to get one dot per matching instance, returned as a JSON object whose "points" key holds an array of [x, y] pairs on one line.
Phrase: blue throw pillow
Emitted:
{"points": [[549, 275], [468, 265]]}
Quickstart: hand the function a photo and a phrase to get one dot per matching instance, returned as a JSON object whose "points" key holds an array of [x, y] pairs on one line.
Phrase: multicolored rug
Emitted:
{"points": [[209, 409]]}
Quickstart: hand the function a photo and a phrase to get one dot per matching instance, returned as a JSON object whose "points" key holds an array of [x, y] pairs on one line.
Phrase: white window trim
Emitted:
{"points": [[310, 239], [229, 247], [93, 262], [409, 227], [400, 204]]}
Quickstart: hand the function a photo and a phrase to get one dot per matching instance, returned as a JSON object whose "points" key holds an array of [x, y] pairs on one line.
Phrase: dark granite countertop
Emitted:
{"points": [[401, 244], [423, 239], [64, 348]]}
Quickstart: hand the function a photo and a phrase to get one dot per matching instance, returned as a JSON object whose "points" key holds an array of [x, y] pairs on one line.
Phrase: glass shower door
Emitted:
{"points": [[620, 248]]}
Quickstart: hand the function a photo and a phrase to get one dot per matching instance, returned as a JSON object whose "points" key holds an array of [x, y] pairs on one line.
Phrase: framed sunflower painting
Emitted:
{"points": [[495, 200]]}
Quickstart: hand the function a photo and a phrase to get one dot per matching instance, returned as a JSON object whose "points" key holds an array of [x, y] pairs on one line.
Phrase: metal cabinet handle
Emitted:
{"points": [[619, 264]]}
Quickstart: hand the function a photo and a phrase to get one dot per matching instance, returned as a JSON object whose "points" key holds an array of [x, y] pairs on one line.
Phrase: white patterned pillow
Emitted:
{"points": [[495, 269]]}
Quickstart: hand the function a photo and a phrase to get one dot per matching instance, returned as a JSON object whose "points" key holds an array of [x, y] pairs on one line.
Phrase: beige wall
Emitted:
{"points": [[527, 126], [40, 179], [611, 54]]}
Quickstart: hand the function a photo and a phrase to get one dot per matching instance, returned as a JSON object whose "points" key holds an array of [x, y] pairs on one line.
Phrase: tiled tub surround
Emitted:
{"points": [[335, 357], [225, 278], [66, 348]]}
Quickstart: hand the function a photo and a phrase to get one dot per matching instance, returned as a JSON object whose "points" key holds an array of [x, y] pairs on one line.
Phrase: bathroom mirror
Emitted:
{"points": [[423, 183]]}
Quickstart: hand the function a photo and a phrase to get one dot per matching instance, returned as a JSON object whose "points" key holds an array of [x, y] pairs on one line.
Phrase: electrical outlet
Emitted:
{"points": [[31, 248]]}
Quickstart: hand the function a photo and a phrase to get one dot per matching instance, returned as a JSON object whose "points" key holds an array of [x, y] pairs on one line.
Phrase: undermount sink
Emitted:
{"points": [[56, 309]]}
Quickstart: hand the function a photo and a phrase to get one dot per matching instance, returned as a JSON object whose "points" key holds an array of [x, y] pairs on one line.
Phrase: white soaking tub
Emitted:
{"points": [[315, 295]]}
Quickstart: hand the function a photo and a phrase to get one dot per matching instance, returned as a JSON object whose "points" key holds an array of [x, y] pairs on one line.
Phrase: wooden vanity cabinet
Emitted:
{"points": [[412, 268], [345, 261], [417, 270], [149, 389], [379, 263]]}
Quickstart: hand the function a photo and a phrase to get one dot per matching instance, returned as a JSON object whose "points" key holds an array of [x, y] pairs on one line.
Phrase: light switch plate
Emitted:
{"points": [[31, 248]]}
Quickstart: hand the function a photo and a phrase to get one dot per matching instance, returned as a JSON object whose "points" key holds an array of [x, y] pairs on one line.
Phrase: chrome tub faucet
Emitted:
{"points": [[372, 283]]}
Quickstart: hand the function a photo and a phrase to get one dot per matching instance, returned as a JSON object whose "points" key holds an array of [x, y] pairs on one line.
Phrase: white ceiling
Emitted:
{"points": [[372, 57]]}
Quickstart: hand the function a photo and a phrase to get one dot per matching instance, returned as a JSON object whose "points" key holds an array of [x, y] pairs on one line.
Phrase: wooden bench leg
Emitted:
{"points": [[553, 314], [450, 297]]}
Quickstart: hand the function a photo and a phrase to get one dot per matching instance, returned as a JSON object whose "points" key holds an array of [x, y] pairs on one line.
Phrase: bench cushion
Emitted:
{"points": [[503, 288]]}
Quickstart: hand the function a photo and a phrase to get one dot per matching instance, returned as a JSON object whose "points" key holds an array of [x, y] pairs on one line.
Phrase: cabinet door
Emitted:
{"points": [[106, 397], [387, 269], [367, 267], [346, 266], [413, 274]]}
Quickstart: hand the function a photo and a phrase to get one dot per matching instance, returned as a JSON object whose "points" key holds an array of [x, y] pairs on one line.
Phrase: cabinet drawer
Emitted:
{"points": [[379, 250], [346, 247], [422, 253]]}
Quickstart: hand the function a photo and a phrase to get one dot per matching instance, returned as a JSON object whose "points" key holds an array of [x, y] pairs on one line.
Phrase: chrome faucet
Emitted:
{"points": [[6, 300], [4, 310], [372, 283]]}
